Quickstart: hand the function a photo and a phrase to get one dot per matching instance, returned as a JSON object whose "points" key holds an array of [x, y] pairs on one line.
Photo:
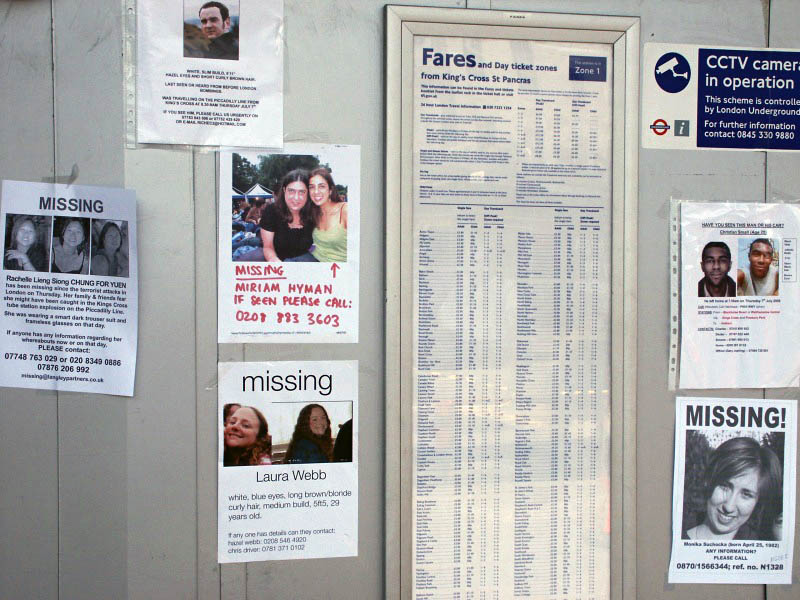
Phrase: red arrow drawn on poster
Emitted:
{"points": [[334, 266]]}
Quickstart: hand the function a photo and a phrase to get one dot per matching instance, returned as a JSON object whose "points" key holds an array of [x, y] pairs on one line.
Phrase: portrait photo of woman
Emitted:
{"points": [[70, 246], [330, 231], [311, 441], [286, 224], [740, 495], [27, 243], [247, 439], [109, 248]]}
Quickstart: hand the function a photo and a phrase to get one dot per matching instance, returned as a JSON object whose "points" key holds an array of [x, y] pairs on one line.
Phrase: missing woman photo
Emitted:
{"points": [[27, 246], [733, 494], [288, 208], [733, 485], [287, 433]]}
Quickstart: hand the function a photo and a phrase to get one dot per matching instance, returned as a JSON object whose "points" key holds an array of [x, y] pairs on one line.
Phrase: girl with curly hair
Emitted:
{"points": [[311, 441], [247, 439]]}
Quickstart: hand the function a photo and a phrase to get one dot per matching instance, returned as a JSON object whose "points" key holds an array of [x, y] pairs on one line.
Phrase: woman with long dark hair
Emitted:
{"points": [[108, 258], [330, 232], [311, 441], [25, 252], [247, 439], [742, 479], [287, 223], [70, 250]]}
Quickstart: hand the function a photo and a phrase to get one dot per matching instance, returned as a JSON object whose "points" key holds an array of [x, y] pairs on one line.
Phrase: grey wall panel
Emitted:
{"points": [[28, 418], [205, 220], [161, 458], [695, 175], [92, 432], [783, 185]]}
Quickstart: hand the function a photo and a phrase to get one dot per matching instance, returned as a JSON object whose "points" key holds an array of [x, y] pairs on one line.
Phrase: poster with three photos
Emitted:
{"points": [[289, 245], [733, 506], [288, 460], [739, 295], [70, 287]]}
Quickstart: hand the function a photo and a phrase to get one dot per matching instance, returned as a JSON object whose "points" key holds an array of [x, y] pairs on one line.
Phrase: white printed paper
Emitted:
{"points": [[70, 288], [265, 294], [207, 80], [288, 460], [733, 503], [739, 295], [512, 197]]}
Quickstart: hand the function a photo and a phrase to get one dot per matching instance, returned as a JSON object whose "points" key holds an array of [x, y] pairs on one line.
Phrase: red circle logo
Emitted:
{"points": [[659, 127]]}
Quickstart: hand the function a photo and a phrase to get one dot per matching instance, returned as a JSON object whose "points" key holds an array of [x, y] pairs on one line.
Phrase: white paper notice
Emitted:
{"points": [[288, 460], [732, 515], [210, 73], [512, 192], [288, 245], [70, 288], [739, 295]]}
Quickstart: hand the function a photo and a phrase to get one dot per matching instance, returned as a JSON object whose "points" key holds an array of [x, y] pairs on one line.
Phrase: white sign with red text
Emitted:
{"points": [[289, 245]]}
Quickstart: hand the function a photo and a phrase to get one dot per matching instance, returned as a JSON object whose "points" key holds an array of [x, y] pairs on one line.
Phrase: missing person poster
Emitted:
{"points": [[288, 261], [70, 291], [733, 503], [210, 73], [288, 460], [712, 98], [739, 295]]}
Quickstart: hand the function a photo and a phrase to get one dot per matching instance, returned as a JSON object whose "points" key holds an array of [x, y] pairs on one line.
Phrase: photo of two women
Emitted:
{"points": [[287, 433], [287, 208]]}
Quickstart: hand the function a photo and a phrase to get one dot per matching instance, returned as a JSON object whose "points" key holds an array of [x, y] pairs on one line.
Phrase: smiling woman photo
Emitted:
{"points": [[24, 248], [741, 479], [312, 441], [70, 246], [247, 438]]}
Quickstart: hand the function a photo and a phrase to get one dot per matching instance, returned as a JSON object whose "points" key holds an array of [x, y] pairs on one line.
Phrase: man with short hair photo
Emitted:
{"points": [[715, 262], [761, 276], [218, 41]]}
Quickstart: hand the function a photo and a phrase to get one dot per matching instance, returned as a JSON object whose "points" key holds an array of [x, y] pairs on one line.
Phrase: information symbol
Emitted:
{"points": [[672, 72]]}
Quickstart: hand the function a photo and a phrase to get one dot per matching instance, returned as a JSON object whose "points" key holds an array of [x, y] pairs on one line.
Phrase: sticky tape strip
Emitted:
{"points": [[129, 69], [674, 291]]}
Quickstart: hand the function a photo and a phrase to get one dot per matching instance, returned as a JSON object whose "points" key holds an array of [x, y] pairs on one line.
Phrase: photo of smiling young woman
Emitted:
{"points": [[27, 246], [286, 433], [733, 491]]}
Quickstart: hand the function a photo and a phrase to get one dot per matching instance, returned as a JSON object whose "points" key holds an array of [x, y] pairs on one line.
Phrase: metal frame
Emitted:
{"points": [[402, 24]]}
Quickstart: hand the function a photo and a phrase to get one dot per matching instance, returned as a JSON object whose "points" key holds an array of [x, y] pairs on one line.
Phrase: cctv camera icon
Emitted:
{"points": [[672, 72], [670, 66]]}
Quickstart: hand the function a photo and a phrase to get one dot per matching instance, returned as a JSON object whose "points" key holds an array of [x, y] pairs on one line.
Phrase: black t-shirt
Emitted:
{"points": [[288, 242]]}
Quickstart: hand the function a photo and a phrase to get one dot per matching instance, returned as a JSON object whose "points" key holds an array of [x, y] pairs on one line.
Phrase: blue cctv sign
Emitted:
{"points": [[748, 99]]}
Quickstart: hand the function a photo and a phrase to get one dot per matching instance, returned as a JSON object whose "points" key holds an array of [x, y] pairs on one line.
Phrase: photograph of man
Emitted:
{"points": [[760, 278], [215, 37], [716, 263]]}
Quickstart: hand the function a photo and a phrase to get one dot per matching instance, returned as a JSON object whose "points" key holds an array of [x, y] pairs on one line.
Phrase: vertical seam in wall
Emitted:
{"points": [[58, 420], [766, 170], [194, 312]]}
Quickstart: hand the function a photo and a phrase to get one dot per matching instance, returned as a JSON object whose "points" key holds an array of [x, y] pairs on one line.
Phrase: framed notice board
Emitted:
{"points": [[511, 187]]}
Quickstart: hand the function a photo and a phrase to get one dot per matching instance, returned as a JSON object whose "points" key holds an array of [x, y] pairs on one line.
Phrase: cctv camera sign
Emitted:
{"points": [[697, 97]]}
